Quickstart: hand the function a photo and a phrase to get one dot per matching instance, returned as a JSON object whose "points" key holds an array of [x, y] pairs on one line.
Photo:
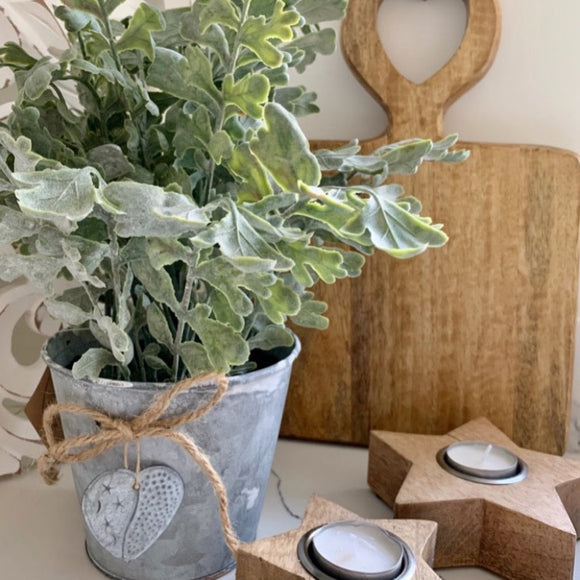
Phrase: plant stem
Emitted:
{"points": [[82, 45], [231, 67], [139, 356], [184, 307], [115, 271], [110, 36]]}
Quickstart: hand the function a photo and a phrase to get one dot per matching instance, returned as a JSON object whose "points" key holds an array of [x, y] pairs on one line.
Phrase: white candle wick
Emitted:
{"points": [[485, 455]]}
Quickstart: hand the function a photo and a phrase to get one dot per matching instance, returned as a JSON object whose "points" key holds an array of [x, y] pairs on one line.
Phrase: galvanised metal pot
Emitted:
{"points": [[239, 436]]}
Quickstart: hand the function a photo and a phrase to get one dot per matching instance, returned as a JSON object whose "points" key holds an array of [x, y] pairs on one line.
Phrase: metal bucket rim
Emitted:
{"points": [[138, 386]]}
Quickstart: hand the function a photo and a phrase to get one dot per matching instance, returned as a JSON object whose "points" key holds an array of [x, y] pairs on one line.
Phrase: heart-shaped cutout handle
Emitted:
{"points": [[421, 36], [417, 109]]}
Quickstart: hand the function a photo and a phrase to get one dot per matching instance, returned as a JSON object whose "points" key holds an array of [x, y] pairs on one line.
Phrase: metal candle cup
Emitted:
{"points": [[355, 550]]}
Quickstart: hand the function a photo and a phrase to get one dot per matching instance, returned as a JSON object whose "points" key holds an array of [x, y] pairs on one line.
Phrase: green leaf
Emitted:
{"points": [[112, 160], [144, 21], [158, 326], [326, 263], [212, 38], [39, 78], [236, 237], [166, 251], [97, 44], [148, 210], [251, 173], [21, 149], [332, 159], [157, 283], [27, 122], [315, 11], [249, 94], [193, 132], [15, 226], [306, 48], [310, 315], [195, 358], [440, 151], [220, 146], [86, 5], [278, 76], [259, 34], [297, 100], [13, 55], [68, 313], [40, 270], [88, 253], [332, 214], [112, 5], [392, 227], [353, 262], [64, 194], [222, 12], [284, 151], [73, 307], [282, 302], [92, 363], [186, 77], [73, 260], [270, 337], [118, 340], [223, 312], [405, 157], [224, 346], [75, 20], [153, 360], [225, 278]]}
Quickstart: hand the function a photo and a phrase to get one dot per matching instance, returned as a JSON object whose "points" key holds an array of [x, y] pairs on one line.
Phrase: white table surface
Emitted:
{"points": [[42, 538]]}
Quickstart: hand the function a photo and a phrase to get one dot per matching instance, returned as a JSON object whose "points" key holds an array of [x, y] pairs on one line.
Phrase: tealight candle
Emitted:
{"points": [[356, 551], [482, 459]]}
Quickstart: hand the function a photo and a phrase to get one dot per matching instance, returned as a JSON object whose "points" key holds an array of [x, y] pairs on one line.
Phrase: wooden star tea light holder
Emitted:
{"points": [[512, 511], [294, 554]]}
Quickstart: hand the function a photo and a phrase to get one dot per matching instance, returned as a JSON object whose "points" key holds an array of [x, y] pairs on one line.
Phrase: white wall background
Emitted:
{"points": [[530, 95]]}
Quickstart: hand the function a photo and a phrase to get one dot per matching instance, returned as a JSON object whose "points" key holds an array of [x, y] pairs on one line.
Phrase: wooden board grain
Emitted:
{"points": [[482, 327]]}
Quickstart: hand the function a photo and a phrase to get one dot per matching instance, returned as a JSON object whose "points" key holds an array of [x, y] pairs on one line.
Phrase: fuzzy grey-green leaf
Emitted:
{"points": [[158, 326], [284, 151], [92, 363], [144, 21], [57, 193], [224, 346], [148, 210]]}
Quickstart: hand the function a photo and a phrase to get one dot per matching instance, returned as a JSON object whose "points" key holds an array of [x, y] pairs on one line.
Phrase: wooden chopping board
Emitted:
{"points": [[482, 327]]}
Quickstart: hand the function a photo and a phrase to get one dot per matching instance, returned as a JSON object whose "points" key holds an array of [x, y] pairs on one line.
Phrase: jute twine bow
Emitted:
{"points": [[114, 431]]}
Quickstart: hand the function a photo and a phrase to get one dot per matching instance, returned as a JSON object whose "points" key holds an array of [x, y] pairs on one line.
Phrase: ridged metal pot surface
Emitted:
{"points": [[239, 436]]}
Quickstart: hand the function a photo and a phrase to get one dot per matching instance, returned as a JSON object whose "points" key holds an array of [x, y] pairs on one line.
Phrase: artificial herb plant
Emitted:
{"points": [[177, 190]]}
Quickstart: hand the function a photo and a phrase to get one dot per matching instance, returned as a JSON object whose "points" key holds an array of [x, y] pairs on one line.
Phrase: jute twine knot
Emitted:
{"points": [[114, 431]]}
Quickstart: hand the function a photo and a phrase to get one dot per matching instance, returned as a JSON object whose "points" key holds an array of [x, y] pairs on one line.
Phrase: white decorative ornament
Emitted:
{"points": [[25, 326], [125, 519]]}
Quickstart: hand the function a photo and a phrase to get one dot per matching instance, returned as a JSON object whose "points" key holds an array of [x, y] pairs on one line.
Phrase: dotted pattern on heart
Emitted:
{"points": [[127, 521], [160, 494]]}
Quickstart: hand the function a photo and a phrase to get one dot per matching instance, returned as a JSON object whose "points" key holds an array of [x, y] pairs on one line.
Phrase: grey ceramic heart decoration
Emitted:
{"points": [[127, 521]]}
